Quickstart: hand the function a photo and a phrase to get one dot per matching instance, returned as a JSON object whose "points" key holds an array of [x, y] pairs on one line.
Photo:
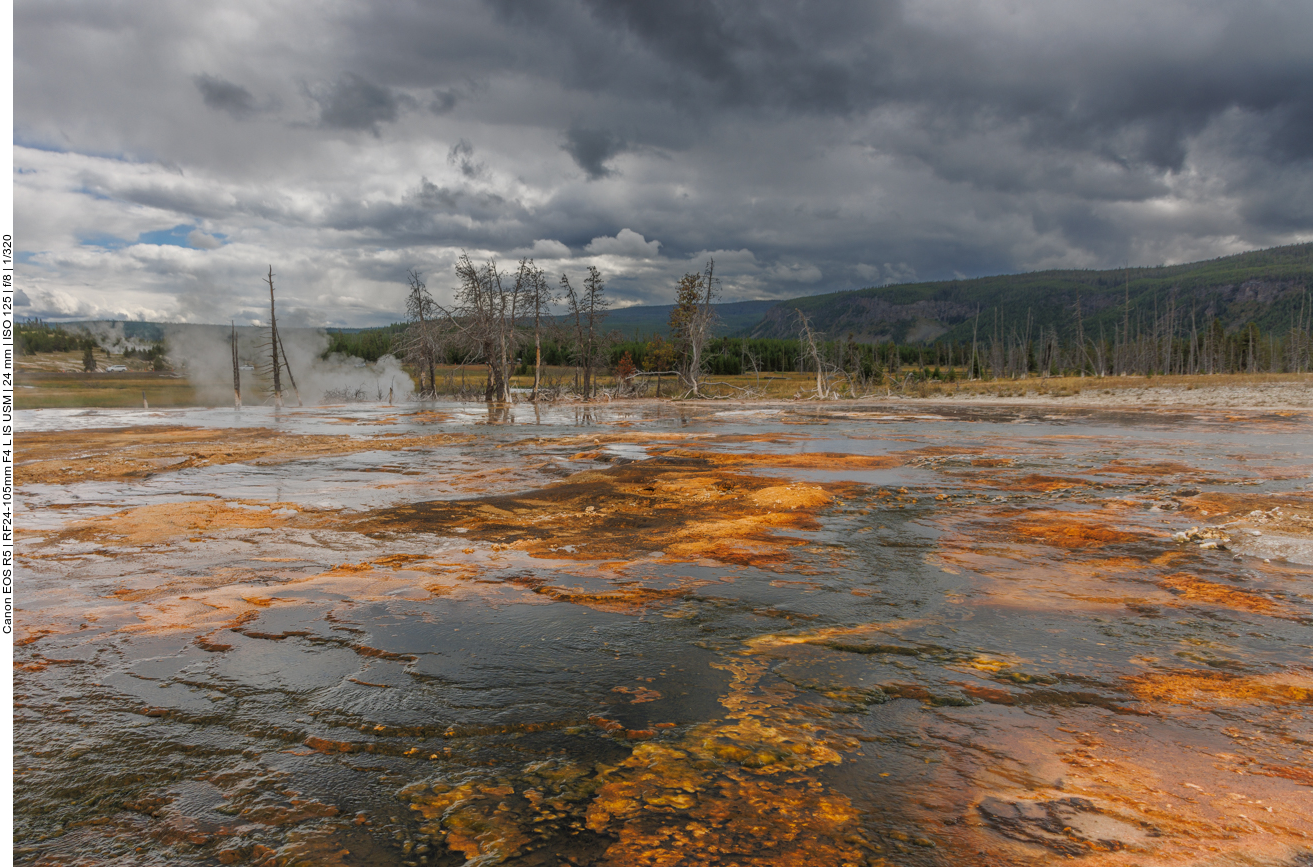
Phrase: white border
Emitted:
{"points": [[8, 283]]}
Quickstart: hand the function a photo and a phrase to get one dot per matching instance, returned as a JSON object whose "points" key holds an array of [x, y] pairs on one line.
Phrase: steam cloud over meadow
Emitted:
{"points": [[205, 353]]}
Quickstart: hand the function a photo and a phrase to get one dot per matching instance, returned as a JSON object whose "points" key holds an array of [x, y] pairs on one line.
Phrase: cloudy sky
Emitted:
{"points": [[166, 154]]}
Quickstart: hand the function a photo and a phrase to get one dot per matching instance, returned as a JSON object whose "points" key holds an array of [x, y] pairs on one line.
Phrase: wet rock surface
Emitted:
{"points": [[665, 635]]}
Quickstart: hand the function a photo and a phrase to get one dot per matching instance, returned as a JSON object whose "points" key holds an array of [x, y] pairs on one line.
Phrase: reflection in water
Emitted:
{"points": [[501, 413], [638, 634]]}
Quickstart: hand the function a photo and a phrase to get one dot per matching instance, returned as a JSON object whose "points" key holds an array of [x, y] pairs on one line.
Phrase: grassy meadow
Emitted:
{"points": [[56, 380], [51, 380]]}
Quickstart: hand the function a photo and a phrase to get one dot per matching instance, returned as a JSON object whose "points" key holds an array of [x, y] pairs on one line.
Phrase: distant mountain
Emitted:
{"points": [[1267, 287], [1272, 288], [732, 318]]}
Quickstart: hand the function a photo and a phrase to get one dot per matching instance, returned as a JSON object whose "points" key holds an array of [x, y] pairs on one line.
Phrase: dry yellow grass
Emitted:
{"points": [[56, 380]]}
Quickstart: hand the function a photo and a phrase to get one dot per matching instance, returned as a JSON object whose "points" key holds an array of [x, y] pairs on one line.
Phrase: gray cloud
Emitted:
{"points": [[591, 149], [444, 100], [226, 96], [461, 155], [355, 103], [818, 146]]}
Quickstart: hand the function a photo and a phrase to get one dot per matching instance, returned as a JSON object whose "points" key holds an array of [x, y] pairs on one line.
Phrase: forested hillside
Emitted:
{"points": [[1268, 288]]}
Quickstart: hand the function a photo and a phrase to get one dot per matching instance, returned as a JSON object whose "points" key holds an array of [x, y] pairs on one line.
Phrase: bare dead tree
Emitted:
{"points": [[588, 311], [692, 320], [237, 373], [287, 365], [975, 332], [812, 351], [595, 308], [421, 342], [531, 285], [485, 317], [571, 299], [273, 344]]}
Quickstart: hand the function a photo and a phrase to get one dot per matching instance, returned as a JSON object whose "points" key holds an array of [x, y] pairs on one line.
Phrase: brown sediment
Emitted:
{"points": [[805, 460], [1194, 686], [1035, 482], [1277, 473], [225, 600], [626, 597], [726, 792], [1004, 549], [638, 694], [164, 522], [1149, 468], [1111, 790], [419, 417], [1063, 529], [732, 789], [1198, 590], [830, 460], [1292, 511], [1303, 776], [62, 457], [652, 438], [684, 508], [858, 639], [948, 451], [1060, 559]]}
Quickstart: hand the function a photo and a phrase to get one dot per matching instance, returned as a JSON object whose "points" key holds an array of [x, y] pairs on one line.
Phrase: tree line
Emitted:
{"points": [[501, 321], [33, 336]]}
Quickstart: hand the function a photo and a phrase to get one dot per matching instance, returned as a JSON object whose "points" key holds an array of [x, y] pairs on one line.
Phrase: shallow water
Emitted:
{"points": [[666, 634]]}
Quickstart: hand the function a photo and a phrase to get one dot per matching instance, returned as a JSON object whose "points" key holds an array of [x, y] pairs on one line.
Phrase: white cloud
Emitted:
{"points": [[627, 244], [202, 241], [543, 250]]}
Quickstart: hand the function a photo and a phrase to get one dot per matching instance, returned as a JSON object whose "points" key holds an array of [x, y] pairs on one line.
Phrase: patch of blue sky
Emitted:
{"points": [[25, 141], [95, 194], [107, 242], [175, 237], [178, 236]]}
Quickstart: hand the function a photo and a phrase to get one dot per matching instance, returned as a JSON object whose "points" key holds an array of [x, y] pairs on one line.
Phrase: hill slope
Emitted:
{"points": [[731, 318], [1263, 286]]}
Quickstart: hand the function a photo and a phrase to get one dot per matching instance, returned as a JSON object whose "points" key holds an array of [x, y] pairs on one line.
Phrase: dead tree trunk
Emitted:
{"points": [[809, 346], [273, 343], [237, 372], [288, 365]]}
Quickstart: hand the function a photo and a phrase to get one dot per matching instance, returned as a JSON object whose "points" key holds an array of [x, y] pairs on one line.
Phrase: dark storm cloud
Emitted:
{"points": [[354, 103], [226, 96], [444, 100], [1291, 136], [591, 149], [826, 145], [1136, 96], [817, 57]]}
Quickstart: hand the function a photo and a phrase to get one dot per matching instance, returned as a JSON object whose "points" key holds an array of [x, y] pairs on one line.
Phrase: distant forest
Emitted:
{"points": [[1150, 349], [1247, 313], [1252, 312], [1266, 288]]}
